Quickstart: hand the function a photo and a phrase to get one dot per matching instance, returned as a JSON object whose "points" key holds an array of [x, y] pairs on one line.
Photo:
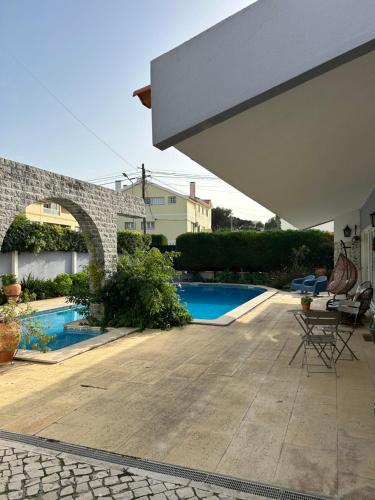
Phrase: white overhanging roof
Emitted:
{"points": [[279, 101]]}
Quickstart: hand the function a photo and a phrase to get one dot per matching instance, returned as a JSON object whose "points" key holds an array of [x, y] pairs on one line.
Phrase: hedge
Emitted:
{"points": [[130, 241], [158, 240], [26, 236], [252, 251]]}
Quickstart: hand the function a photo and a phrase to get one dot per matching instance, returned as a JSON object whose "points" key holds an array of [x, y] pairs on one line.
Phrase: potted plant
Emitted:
{"points": [[306, 302], [13, 322], [12, 289]]}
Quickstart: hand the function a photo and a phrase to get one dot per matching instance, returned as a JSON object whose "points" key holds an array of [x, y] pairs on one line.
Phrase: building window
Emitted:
{"points": [[149, 225], [56, 225], [155, 200], [171, 200], [129, 225], [51, 208]]}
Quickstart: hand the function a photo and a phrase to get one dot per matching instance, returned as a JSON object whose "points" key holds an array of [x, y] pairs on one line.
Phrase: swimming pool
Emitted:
{"points": [[210, 302], [54, 321]]}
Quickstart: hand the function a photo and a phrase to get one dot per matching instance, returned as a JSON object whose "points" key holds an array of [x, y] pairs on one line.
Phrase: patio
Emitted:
{"points": [[212, 398]]}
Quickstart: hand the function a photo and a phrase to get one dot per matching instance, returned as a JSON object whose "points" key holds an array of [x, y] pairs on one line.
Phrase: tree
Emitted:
{"points": [[221, 218], [273, 223]]}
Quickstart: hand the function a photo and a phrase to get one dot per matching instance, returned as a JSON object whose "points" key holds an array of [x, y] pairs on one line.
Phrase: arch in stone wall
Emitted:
{"points": [[94, 207]]}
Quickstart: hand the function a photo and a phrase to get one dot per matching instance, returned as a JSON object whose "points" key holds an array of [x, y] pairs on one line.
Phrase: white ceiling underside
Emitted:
{"points": [[308, 154]]}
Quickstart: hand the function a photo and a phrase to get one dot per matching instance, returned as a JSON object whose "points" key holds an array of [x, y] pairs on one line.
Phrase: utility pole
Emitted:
{"points": [[144, 193]]}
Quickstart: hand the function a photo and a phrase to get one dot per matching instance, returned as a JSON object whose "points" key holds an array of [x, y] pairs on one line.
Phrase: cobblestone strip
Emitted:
{"points": [[31, 472]]}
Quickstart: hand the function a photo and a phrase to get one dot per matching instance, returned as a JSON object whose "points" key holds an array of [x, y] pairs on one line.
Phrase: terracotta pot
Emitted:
{"points": [[306, 307], [320, 271], [12, 291], [10, 334]]}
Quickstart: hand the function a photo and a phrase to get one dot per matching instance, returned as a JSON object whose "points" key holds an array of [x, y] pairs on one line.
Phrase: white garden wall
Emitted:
{"points": [[46, 265]]}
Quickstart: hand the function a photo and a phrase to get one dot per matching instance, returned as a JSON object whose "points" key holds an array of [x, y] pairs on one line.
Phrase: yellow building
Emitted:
{"points": [[51, 213], [168, 212]]}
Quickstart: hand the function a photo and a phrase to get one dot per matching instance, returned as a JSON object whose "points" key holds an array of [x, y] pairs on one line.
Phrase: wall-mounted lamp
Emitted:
{"points": [[347, 231], [372, 217]]}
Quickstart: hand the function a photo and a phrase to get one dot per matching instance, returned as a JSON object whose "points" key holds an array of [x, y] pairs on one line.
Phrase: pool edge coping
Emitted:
{"points": [[53, 357], [236, 313]]}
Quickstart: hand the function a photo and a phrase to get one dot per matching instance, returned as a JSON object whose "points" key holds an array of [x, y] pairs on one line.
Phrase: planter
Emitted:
{"points": [[320, 271], [10, 334], [12, 291], [305, 307]]}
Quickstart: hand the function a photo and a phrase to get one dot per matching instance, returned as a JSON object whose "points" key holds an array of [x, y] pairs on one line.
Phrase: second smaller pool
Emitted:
{"points": [[54, 321], [212, 301]]}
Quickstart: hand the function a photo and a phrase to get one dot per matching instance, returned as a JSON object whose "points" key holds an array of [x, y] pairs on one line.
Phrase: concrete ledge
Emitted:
{"points": [[59, 355], [79, 325], [239, 311]]}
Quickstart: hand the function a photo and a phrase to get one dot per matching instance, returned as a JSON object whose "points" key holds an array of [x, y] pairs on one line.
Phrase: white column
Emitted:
{"points": [[14, 263], [74, 263]]}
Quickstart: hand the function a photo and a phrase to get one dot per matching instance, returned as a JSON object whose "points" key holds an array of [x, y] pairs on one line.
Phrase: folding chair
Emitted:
{"points": [[345, 331], [321, 329]]}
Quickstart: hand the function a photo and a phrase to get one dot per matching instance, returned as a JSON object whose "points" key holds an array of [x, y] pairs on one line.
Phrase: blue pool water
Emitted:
{"points": [[213, 301], [54, 321]]}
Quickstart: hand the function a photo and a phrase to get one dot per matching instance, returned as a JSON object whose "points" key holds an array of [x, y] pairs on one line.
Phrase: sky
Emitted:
{"points": [[91, 55]]}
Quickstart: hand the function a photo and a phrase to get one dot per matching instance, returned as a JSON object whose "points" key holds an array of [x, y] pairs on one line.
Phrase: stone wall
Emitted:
{"points": [[94, 207]]}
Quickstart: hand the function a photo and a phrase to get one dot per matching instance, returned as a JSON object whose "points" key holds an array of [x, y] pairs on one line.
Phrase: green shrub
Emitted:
{"points": [[158, 240], [8, 279], [140, 294], [81, 293], [43, 289], [129, 242], [253, 251], [196, 277], [62, 284], [262, 279], [26, 236], [27, 296], [282, 280], [3, 299], [80, 283], [227, 277]]}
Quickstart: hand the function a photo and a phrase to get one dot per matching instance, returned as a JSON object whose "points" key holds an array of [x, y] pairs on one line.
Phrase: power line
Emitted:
{"points": [[114, 176], [174, 186], [68, 110], [208, 188]]}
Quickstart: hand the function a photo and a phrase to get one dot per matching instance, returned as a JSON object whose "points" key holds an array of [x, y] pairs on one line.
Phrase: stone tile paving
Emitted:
{"points": [[31, 472]]}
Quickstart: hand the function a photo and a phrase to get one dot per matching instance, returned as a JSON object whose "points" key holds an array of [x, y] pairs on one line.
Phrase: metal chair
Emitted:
{"points": [[356, 307], [297, 283], [315, 286], [320, 335]]}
